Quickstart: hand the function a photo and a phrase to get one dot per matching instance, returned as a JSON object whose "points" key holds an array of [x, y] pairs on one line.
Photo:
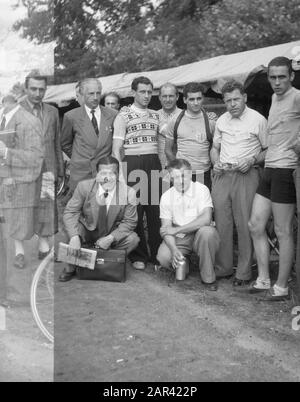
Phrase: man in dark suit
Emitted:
{"points": [[46, 224], [87, 133], [21, 161], [102, 212]]}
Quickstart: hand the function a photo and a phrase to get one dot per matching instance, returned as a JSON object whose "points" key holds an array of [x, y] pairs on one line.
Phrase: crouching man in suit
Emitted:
{"points": [[102, 212]]}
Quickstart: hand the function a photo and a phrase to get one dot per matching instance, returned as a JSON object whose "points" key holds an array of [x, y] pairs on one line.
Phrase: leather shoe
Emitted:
{"points": [[66, 276], [42, 255], [212, 287], [240, 283], [19, 262]]}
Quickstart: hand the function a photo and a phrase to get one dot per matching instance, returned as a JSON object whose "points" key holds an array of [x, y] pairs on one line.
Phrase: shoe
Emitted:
{"points": [[66, 276], [258, 287], [42, 255], [19, 262], [140, 265], [212, 287], [240, 283], [270, 296]]}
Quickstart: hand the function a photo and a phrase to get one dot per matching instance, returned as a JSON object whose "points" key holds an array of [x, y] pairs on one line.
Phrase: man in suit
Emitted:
{"points": [[102, 212], [21, 159], [46, 224], [87, 133]]}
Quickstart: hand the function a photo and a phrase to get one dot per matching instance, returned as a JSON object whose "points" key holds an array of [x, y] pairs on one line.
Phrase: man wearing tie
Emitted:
{"points": [[46, 223], [102, 212], [21, 158], [87, 133]]}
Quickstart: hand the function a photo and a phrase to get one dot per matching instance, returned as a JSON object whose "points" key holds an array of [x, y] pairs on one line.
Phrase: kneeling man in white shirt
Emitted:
{"points": [[186, 216]]}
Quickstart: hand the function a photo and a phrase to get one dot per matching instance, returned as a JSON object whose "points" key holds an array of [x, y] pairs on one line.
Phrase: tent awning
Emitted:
{"points": [[214, 72]]}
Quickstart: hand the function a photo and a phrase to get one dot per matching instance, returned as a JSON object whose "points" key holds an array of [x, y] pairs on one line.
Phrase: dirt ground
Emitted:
{"points": [[150, 328]]}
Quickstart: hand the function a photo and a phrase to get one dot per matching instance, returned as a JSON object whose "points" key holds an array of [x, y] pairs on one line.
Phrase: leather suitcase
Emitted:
{"points": [[110, 266]]}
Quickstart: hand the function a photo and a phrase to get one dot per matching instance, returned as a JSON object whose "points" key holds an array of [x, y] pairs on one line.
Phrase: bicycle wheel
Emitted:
{"points": [[42, 296]]}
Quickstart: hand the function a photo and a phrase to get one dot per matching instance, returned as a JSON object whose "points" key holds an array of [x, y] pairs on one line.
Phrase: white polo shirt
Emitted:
{"points": [[240, 138], [183, 209]]}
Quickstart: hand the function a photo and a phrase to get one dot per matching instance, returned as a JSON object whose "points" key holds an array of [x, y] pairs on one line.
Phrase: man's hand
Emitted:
{"points": [[177, 257], [105, 242], [218, 168], [168, 231], [296, 147], [75, 243], [3, 148], [245, 166]]}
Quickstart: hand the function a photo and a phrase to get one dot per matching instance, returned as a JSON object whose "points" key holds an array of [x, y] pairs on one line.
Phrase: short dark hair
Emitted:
{"points": [[231, 86], [168, 85], [108, 160], [141, 80], [179, 164], [35, 75], [281, 62], [114, 94], [193, 87]]}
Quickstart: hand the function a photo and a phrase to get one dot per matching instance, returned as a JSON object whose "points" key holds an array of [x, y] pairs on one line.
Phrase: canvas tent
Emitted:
{"points": [[213, 72]]}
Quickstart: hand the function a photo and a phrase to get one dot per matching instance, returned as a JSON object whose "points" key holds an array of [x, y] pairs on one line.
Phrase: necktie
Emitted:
{"points": [[102, 217], [3, 122], [37, 111], [94, 122]]}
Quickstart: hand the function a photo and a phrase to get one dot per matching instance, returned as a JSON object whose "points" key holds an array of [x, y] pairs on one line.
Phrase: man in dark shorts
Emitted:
{"points": [[276, 193]]}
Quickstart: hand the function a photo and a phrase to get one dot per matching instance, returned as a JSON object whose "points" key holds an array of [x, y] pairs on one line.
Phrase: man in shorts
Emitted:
{"points": [[276, 193]]}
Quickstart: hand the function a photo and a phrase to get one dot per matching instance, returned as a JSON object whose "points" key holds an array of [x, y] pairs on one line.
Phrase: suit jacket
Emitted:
{"points": [[23, 163], [81, 144], [53, 158], [83, 208]]}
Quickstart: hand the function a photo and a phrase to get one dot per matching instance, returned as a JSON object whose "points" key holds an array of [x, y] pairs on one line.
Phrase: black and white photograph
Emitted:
{"points": [[149, 193]]}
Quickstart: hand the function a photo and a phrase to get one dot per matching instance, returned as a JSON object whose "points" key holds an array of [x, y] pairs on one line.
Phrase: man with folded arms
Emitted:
{"points": [[101, 213], [276, 193]]}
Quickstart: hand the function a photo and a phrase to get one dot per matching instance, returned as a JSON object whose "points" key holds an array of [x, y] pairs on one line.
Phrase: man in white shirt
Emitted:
{"points": [[102, 212], [239, 141], [87, 133], [186, 215]]}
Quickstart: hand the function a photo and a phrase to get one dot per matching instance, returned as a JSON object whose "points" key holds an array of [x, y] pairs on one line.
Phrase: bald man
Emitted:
{"points": [[87, 133]]}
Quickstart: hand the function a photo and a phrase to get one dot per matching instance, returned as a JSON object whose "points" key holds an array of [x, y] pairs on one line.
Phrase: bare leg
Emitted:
{"points": [[261, 211], [283, 220]]}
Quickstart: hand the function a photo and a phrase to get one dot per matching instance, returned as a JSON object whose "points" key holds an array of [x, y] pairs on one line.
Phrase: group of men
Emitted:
{"points": [[119, 161]]}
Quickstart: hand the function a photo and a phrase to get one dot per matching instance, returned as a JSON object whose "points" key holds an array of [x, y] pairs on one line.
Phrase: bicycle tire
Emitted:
{"points": [[33, 295]]}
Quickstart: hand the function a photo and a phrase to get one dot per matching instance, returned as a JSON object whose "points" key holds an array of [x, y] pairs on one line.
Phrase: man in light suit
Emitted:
{"points": [[20, 169], [102, 212], [46, 224], [87, 133]]}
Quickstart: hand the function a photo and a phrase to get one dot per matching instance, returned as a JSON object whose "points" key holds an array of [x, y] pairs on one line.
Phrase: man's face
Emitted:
{"points": [[142, 96], [107, 176], [235, 102], [280, 79], [111, 102], [182, 179], [194, 101], [91, 94], [36, 90], [168, 98]]}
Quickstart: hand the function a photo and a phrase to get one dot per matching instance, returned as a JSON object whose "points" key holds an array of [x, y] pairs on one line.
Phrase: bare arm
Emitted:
{"points": [[171, 241], [169, 150]]}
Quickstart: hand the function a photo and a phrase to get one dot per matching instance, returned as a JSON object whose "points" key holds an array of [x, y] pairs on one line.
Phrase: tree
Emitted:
{"points": [[97, 37]]}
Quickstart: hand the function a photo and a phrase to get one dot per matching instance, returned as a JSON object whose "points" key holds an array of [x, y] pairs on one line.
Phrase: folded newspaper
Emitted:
{"points": [[85, 259]]}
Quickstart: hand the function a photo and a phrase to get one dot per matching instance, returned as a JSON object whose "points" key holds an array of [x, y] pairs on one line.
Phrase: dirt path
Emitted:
{"points": [[145, 330]]}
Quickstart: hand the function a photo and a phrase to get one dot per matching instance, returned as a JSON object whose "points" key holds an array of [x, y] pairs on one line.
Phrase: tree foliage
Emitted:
{"points": [[101, 37]]}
